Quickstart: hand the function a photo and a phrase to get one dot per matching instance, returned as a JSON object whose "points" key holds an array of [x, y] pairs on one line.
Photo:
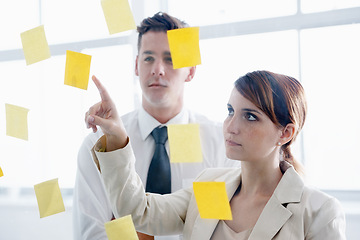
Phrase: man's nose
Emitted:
{"points": [[158, 69]]}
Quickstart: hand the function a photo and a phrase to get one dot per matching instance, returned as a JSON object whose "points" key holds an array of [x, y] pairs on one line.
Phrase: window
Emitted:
{"points": [[69, 21], [15, 19], [56, 116], [308, 6], [197, 13], [331, 80], [315, 41]]}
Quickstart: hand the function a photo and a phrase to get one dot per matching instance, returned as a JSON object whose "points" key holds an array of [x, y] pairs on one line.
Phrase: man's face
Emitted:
{"points": [[162, 86]]}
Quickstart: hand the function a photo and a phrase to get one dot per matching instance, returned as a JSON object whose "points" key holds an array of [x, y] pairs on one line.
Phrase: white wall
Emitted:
{"points": [[20, 220]]}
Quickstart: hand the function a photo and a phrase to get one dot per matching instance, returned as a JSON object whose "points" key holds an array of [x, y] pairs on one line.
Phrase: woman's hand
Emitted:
{"points": [[105, 115]]}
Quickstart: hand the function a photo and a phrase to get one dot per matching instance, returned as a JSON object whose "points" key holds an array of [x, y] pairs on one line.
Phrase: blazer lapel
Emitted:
{"points": [[275, 214], [204, 228], [272, 218]]}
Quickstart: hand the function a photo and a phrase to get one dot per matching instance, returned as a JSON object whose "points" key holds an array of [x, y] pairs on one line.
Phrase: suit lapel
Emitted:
{"points": [[275, 214], [204, 228], [272, 218]]}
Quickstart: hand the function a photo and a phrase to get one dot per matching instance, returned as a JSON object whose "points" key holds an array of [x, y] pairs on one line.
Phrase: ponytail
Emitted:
{"points": [[288, 157]]}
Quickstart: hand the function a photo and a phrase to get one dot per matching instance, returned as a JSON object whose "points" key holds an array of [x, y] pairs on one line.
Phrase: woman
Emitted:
{"points": [[268, 198]]}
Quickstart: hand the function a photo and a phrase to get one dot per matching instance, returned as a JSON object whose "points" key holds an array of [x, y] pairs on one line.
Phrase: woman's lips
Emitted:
{"points": [[232, 143]]}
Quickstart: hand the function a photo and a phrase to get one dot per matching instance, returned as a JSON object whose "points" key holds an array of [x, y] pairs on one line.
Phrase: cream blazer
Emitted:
{"points": [[294, 211]]}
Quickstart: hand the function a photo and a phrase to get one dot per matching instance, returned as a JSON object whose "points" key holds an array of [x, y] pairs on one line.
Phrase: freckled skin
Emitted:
{"points": [[250, 135]]}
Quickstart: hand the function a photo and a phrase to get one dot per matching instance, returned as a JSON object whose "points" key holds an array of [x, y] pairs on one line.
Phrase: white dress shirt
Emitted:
{"points": [[91, 206]]}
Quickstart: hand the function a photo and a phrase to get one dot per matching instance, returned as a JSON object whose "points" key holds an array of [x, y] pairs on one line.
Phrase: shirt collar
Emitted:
{"points": [[147, 123]]}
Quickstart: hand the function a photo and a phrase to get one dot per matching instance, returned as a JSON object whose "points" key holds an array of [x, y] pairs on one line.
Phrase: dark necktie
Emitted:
{"points": [[159, 174]]}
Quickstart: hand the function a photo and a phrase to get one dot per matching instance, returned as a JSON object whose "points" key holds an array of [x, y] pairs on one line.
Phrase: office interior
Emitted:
{"points": [[315, 41]]}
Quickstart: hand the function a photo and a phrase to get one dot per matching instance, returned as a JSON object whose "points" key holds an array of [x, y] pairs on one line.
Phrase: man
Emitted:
{"points": [[162, 104]]}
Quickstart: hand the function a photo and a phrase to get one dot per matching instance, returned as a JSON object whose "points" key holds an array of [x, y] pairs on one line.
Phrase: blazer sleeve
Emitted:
{"points": [[151, 213], [328, 222]]}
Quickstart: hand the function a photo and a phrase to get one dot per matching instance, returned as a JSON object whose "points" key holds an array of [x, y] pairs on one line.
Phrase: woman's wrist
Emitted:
{"points": [[114, 142]]}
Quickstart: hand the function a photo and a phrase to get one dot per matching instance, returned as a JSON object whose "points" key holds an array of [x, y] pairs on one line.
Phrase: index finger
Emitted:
{"points": [[103, 93]]}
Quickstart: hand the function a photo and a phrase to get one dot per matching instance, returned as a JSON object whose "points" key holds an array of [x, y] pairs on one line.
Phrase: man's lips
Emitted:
{"points": [[156, 85]]}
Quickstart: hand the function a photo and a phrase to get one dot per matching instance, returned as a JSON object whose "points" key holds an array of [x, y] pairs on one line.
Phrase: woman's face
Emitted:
{"points": [[249, 133]]}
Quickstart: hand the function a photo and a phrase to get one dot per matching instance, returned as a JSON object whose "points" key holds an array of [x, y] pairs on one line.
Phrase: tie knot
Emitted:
{"points": [[160, 135]]}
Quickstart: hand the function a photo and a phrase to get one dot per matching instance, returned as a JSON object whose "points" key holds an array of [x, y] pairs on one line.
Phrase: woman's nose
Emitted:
{"points": [[231, 126]]}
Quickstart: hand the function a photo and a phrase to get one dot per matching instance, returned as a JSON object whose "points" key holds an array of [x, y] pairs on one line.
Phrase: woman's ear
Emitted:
{"points": [[288, 133]]}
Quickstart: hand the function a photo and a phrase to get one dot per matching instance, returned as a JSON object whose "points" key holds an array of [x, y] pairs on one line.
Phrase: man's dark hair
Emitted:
{"points": [[160, 22]]}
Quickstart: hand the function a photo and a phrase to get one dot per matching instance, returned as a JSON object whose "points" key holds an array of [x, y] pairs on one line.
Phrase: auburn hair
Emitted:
{"points": [[281, 98]]}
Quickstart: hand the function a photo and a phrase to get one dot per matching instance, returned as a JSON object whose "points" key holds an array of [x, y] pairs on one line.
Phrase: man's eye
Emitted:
{"points": [[168, 60], [149, 59]]}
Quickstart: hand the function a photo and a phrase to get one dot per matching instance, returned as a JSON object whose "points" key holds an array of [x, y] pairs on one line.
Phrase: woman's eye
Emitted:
{"points": [[230, 111], [250, 117]]}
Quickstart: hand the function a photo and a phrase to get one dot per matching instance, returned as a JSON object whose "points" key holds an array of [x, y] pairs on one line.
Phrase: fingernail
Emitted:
{"points": [[91, 119]]}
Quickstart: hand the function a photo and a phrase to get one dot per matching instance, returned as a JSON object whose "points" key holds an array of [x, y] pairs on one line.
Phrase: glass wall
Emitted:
{"points": [[316, 42]]}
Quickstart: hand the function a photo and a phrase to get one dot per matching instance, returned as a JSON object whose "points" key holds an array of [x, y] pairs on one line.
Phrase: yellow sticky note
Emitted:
{"points": [[212, 200], [184, 47], [184, 143], [35, 45], [77, 69], [121, 228], [1, 172], [118, 15], [49, 198], [16, 121]]}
